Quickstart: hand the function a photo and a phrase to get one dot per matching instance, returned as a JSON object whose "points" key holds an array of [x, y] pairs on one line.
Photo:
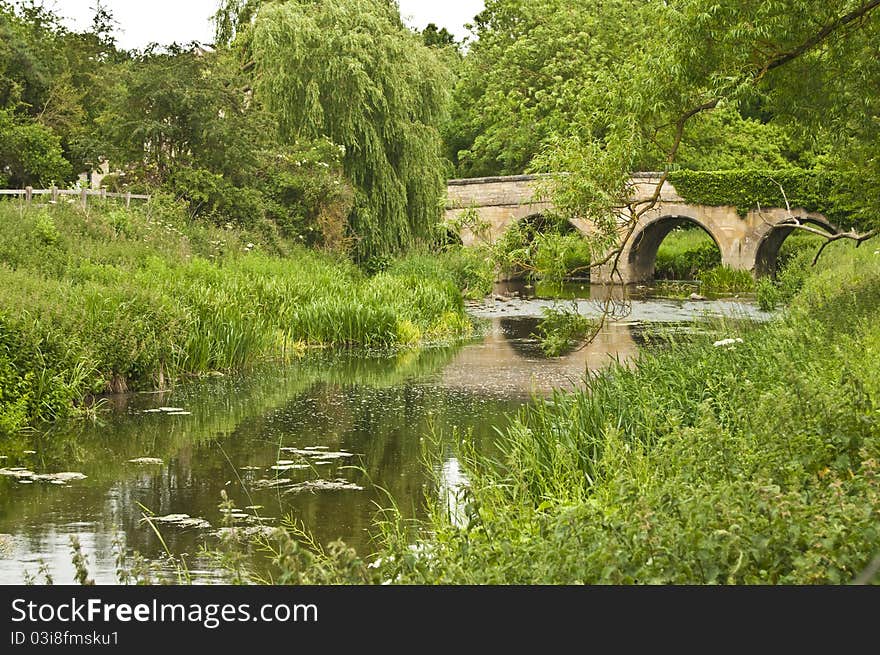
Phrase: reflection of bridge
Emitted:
{"points": [[505, 361], [749, 243]]}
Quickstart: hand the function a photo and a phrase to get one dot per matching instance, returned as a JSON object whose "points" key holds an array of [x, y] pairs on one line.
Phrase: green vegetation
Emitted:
{"points": [[545, 248], [297, 172], [684, 253], [110, 299], [380, 96], [812, 190], [562, 328], [723, 279], [469, 269], [345, 153], [690, 254], [791, 276]]}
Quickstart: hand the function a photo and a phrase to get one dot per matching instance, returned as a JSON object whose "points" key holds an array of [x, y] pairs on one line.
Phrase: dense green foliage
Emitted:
{"points": [[748, 189], [181, 120], [538, 70], [562, 328], [521, 76], [546, 248], [111, 299], [684, 253], [51, 92], [469, 269], [296, 126], [30, 154]]}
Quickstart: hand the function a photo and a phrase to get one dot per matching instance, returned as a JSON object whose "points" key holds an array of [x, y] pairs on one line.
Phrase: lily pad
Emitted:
{"points": [[171, 409], [60, 478], [272, 483], [338, 484], [20, 473], [183, 521], [244, 532], [323, 454], [155, 461], [290, 467]]}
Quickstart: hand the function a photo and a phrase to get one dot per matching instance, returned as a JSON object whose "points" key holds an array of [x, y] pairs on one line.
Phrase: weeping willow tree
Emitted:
{"points": [[350, 71]]}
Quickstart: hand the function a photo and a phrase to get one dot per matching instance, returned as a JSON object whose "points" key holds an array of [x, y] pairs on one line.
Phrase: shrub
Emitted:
{"points": [[30, 154]]}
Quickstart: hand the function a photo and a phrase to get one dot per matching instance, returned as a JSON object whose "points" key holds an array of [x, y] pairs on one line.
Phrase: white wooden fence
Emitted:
{"points": [[28, 193]]}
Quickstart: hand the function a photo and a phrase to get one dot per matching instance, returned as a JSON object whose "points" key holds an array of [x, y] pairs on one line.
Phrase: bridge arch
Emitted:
{"points": [[770, 244], [641, 258], [542, 221]]}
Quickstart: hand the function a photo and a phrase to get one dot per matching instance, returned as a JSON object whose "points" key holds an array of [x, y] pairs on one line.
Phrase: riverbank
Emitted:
{"points": [[748, 459], [108, 299]]}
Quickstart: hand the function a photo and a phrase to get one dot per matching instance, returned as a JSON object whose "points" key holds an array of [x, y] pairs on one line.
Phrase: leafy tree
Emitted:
{"points": [[183, 108], [349, 70], [526, 75], [30, 154], [56, 77], [186, 119], [439, 37]]}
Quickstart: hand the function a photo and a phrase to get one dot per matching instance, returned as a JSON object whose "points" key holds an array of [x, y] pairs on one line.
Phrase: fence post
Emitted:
{"points": [[83, 195], [103, 194], [28, 194], [127, 199], [54, 194]]}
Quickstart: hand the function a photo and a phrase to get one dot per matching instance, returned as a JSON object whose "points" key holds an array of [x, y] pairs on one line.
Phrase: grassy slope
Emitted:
{"points": [[744, 464], [113, 298]]}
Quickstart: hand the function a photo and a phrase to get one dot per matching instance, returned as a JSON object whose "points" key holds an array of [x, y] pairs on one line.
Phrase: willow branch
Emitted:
{"points": [[795, 223], [820, 36]]}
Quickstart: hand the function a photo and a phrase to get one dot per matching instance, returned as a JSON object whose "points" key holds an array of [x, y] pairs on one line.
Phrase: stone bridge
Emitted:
{"points": [[749, 243]]}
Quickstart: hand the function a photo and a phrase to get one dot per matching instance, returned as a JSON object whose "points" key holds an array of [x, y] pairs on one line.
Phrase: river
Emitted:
{"points": [[355, 423]]}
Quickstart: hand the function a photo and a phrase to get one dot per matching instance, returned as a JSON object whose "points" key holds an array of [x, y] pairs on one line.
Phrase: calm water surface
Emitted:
{"points": [[372, 411]]}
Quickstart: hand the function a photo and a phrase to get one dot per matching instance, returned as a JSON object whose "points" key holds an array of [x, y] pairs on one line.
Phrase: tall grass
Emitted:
{"points": [[724, 279], [109, 299]]}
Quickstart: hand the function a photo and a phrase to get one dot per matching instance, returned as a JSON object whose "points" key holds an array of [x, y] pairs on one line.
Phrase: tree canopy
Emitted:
{"points": [[538, 70]]}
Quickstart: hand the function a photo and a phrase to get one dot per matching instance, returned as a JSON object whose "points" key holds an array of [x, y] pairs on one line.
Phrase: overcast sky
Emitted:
{"points": [[165, 21]]}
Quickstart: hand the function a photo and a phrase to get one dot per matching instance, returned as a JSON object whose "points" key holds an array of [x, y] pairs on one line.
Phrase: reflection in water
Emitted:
{"points": [[510, 361], [452, 485], [377, 408]]}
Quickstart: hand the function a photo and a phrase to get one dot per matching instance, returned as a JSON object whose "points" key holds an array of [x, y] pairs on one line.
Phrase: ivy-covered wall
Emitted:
{"points": [[746, 189]]}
